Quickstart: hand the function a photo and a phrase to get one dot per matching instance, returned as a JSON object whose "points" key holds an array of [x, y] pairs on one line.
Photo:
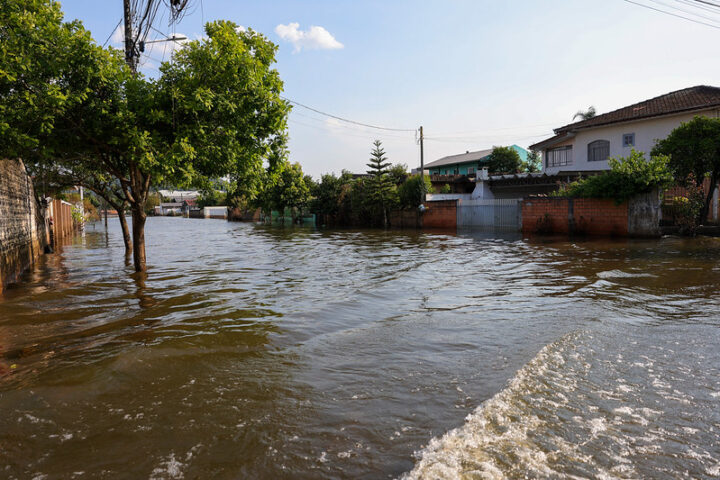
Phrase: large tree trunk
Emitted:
{"points": [[138, 219], [127, 239]]}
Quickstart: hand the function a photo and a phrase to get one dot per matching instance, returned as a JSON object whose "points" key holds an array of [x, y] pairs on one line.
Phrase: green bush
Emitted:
{"points": [[628, 176], [410, 192], [446, 188]]}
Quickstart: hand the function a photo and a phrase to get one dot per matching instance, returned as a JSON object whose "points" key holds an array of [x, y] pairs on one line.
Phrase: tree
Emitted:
{"points": [[286, 187], [380, 187], [215, 110], [410, 192], [50, 70], [327, 193], [398, 173], [586, 115], [694, 150], [504, 160], [533, 163]]}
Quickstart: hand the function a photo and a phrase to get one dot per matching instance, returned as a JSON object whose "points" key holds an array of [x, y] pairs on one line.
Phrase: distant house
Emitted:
{"points": [[178, 196], [585, 146], [468, 163]]}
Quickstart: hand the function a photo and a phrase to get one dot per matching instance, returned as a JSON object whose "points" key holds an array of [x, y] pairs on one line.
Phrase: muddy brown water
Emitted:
{"points": [[259, 352]]}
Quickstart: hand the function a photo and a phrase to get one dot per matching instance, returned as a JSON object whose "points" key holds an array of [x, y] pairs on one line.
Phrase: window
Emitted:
{"points": [[598, 150], [471, 170], [629, 140], [559, 157]]}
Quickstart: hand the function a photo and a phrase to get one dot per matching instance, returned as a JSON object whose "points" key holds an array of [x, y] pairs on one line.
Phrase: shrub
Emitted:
{"points": [[446, 188], [628, 176], [687, 208]]}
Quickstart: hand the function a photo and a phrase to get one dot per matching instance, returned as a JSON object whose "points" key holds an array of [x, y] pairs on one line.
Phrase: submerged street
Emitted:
{"points": [[260, 352]]}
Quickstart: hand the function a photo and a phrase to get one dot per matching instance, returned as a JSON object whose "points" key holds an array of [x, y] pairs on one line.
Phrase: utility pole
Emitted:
{"points": [[422, 164], [129, 46]]}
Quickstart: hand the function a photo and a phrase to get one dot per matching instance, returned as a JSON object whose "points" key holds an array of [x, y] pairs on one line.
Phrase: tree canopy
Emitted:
{"points": [[504, 160], [694, 151], [66, 102]]}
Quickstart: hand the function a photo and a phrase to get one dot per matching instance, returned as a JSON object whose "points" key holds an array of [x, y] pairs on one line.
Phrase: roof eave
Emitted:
{"points": [[571, 129]]}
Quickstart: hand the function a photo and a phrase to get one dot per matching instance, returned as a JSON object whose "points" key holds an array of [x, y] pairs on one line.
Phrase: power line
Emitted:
{"points": [[347, 120], [712, 19], [360, 134], [112, 32], [673, 14], [708, 3], [692, 3]]}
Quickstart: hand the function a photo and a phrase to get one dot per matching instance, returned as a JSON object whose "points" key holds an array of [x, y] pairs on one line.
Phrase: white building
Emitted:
{"points": [[585, 146]]}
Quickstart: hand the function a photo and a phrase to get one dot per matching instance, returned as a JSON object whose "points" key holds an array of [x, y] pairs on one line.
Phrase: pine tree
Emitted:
{"points": [[380, 185]]}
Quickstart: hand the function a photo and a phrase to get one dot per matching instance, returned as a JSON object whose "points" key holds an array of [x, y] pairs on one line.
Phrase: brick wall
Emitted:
{"points": [[592, 216], [405, 218], [440, 214], [22, 227], [545, 215]]}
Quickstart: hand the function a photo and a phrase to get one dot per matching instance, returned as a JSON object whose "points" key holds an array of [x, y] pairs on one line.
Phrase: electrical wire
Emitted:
{"points": [[694, 4], [347, 120], [706, 2], [716, 20], [673, 14], [112, 32], [367, 135]]}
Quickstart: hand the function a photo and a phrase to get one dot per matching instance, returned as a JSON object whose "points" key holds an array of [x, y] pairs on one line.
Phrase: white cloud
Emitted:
{"points": [[314, 38], [118, 36]]}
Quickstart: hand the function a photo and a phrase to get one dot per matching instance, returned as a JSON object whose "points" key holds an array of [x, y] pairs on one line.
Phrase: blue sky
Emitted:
{"points": [[474, 73]]}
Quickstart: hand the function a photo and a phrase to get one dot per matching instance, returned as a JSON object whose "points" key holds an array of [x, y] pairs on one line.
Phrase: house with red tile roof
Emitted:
{"points": [[585, 146]]}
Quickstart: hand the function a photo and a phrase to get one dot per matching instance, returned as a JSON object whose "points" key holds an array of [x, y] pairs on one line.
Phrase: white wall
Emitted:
{"points": [[647, 132]]}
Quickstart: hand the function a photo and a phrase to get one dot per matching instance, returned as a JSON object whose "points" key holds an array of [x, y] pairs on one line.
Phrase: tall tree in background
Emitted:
{"points": [[694, 150], [380, 186], [586, 115], [533, 163], [504, 160]]}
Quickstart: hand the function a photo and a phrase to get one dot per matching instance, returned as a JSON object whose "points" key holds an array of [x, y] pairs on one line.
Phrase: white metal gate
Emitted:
{"points": [[496, 214]]}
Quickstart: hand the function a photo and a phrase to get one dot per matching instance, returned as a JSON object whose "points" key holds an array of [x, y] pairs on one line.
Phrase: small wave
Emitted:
{"points": [[620, 274]]}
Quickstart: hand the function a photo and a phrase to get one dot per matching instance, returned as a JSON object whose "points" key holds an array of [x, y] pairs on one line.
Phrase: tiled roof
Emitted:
{"points": [[461, 158], [688, 99]]}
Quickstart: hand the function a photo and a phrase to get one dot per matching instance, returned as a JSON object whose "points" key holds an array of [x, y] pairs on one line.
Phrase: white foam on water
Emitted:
{"points": [[620, 274], [500, 428], [169, 468]]}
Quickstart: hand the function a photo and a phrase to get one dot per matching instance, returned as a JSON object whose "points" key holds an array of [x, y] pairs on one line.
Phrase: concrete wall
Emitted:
{"points": [[647, 132], [440, 214], [639, 217], [22, 226]]}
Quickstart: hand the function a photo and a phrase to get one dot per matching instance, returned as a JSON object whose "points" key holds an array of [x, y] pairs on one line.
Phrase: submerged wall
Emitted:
{"points": [[638, 217], [22, 225]]}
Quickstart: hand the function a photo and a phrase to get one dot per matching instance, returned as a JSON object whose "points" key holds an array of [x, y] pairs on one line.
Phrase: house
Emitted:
{"points": [[584, 147], [178, 196], [460, 171], [468, 163]]}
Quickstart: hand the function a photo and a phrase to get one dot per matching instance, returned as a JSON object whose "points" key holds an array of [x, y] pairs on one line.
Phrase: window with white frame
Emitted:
{"points": [[598, 150], [628, 140], [559, 157]]}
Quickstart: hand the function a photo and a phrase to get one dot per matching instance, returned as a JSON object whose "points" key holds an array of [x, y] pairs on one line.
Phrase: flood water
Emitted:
{"points": [[259, 352]]}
